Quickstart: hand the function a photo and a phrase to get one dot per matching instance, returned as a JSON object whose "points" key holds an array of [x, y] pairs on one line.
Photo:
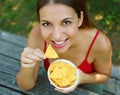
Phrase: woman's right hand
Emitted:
{"points": [[29, 56]]}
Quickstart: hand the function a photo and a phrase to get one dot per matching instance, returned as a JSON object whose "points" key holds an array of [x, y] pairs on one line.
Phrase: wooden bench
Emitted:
{"points": [[11, 47], [112, 86]]}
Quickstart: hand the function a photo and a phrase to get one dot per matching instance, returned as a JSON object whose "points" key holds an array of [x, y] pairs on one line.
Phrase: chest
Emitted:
{"points": [[77, 56]]}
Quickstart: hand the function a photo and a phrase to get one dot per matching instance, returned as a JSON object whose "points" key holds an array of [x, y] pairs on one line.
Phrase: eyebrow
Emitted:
{"points": [[67, 18], [61, 20], [44, 21]]}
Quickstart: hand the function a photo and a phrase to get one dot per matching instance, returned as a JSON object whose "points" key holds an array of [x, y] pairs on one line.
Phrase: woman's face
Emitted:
{"points": [[59, 26]]}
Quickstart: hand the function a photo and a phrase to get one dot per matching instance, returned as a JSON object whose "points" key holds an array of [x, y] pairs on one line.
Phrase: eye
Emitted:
{"points": [[46, 24], [67, 22]]}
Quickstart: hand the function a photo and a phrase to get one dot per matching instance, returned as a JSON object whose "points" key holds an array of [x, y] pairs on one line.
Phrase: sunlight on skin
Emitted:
{"points": [[98, 77]]}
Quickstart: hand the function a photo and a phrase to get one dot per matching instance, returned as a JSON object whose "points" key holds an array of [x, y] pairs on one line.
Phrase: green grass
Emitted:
{"points": [[19, 16]]}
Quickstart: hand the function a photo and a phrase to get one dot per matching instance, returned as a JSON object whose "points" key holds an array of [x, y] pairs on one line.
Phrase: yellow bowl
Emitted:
{"points": [[77, 74]]}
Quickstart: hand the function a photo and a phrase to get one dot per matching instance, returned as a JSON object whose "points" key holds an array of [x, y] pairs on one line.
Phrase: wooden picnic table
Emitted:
{"points": [[11, 47]]}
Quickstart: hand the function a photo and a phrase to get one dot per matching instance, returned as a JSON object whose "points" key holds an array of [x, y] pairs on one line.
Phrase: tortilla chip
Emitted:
{"points": [[50, 52]]}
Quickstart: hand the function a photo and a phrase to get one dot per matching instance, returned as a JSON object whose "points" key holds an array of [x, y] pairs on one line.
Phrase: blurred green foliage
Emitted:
{"points": [[19, 16]]}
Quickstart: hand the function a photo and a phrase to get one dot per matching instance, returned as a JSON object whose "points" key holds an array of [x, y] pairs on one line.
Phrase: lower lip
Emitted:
{"points": [[59, 45]]}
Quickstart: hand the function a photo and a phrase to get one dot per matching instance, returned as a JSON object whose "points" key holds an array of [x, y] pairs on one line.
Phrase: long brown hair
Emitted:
{"points": [[77, 5]]}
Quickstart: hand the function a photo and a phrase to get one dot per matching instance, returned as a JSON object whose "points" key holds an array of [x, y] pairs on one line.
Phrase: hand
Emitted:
{"points": [[30, 56], [82, 77]]}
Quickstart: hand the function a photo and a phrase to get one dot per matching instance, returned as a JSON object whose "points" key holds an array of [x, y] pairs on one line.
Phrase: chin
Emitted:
{"points": [[62, 50]]}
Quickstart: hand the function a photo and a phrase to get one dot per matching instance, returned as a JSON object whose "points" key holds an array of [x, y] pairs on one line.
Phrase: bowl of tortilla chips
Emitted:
{"points": [[63, 74]]}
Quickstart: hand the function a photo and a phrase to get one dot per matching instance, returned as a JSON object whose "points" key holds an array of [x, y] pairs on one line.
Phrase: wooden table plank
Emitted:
{"points": [[12, 38], [10, 50], [6, 91], [114, 74], [49, 89], [42, 87], [11, 45]]}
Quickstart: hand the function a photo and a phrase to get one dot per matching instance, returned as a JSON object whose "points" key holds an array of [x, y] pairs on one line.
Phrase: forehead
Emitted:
{"points": [[56, 10]]}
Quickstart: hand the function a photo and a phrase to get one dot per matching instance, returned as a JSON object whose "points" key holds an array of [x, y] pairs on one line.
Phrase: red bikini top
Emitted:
{"points": [[85, 66]]}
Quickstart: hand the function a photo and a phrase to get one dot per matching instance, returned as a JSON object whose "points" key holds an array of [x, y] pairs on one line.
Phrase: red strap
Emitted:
{"points": [[45, 46], [92, 43], [46, 61]]}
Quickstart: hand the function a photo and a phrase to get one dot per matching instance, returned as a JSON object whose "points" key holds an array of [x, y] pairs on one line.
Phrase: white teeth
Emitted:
{"points": [[59, 42]]}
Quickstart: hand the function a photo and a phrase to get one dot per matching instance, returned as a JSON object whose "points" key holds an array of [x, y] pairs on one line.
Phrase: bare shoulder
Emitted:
{"points": [[103, 51], [35, 39], [103, 43], [102, 54], [35, 31]]}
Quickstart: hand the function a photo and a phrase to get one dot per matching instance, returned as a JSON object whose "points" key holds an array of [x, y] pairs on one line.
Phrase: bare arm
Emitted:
{"points": [[102, 62], [26, 77]]}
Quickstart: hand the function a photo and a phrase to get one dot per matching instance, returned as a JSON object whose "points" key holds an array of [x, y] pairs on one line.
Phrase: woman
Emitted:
{"points": [[66, 26]]}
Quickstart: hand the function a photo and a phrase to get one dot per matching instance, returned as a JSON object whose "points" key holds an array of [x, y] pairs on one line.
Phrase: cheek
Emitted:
{"points": [[45, 34], [73, 31]]}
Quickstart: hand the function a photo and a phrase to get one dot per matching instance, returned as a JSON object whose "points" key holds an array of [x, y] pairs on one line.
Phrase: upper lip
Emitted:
{"points": [[61, 41]]}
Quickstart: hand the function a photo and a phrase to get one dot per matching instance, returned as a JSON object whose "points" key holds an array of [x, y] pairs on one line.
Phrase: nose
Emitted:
{"points": [[57, 33]]}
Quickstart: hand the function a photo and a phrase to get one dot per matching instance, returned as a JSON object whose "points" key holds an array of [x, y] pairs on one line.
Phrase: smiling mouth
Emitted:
{"points": [[60, 42]]}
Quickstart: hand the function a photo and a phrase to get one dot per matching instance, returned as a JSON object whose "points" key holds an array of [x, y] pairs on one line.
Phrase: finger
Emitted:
{"points": [[36, 52], [26, 60], [39, 53], [26, 50], [33, 57], [29, 50]]}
